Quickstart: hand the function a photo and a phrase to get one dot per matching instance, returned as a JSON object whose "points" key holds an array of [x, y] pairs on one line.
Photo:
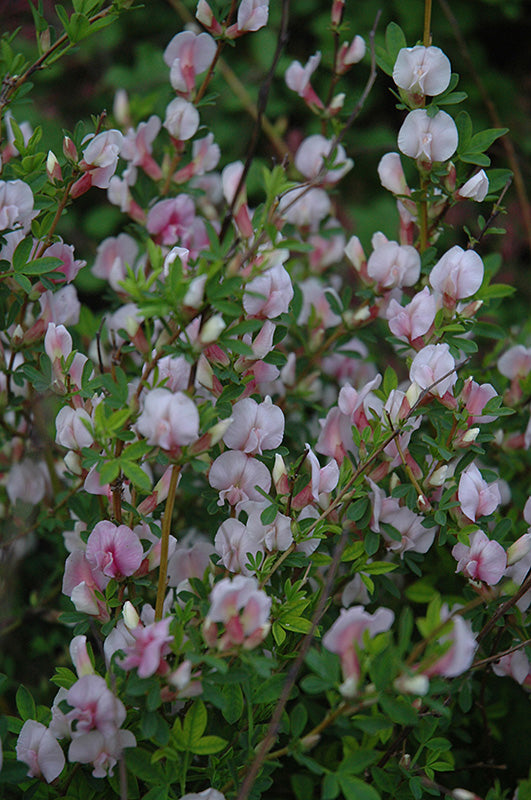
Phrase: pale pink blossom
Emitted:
{"points": [[255, 426], [115, 550], [74, 428], [243, 609], [414, 536], [393, 265], [99, 161], [516, 665], [65, 253], [235, 475], [150, 648], [80, 656], [413, 320], [234, 542], [39, 749], [101, 751], [350, 53], [113, 256], [304, 207], [57, 346], [173, 372], [171, 220], [428, 138], [477, 497], [205, 157], [182, 118], [476, 187], [519, 549], [458, 274], [28, 480], [81, 582], [188, 54], [189, 561], [434, 364], [137, 146], [484, 560], [315, 304], [345, 638], [269, 294], [326, 250], [169, 420], [422, 70], [94, 707], [205, 16], [475, 396], [61, 307], [298, 79], [312, 154], [515, 362], [16, 205], [391, 174], [231, 180], [252, 15], [335, 438], [460, 655]]}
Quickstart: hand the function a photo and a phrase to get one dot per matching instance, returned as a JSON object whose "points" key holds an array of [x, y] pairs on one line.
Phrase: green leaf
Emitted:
{"points": [[233, 702], [41, 265], [21, 255], [356, 789], [464, 129], [470, 157], [482, 141], [399, 711], [136, 475], [25, 704], [139, 763], [195, 723], [268, 515], [394, 40], [23, 282], [208, 745], [358, 761]]}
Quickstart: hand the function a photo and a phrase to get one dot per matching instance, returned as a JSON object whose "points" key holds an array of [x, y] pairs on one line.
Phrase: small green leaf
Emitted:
{"points": [[394, 40], [208, 745], [195, 723], [25, 704]]}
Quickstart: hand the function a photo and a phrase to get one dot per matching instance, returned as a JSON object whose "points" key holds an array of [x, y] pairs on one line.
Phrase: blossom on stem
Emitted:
{"points": [[345, 638], [460, 654], [433, 368], [137, 146], [477, 497], [391, 174], [242, 608], [349, 54], [16, 205], [115, 550], [393, 265], [312, 154], [252, 15], [269, 294], [422, 70], [39, 749], [188, 54], [412, 321], [255, 426], [151, 645], [235, 475], [182, 119], [484, 560], [99, 162], [428, 138], [476, 187], [169, 420], [298, 79], [457, 274]]}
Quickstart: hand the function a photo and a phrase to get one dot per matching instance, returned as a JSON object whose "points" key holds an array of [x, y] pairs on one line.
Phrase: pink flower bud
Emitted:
{"points": [[519, 549], [476, 187], [298, 80], [350, 54], [182, 119], [53, 168], [69, 149], [391, 174]]}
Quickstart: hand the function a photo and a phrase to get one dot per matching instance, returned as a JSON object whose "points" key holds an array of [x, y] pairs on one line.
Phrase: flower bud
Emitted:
{"points": [[412, 684], [413, 394], [73, 462], [130, 616], [18, 335], [519, 549], [463, 794], [476, 188], [438, 477], [53, 168], [69, 149], [280, 475], [470, 436], [336, 104], [211, 329], [310, 741], [218, 431], [405, 760], [120, 108], [80, 657], [338, 7]]}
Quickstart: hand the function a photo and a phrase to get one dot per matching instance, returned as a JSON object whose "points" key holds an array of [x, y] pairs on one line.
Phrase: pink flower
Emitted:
{"points": [[422, 70], [312, 154], [516, 665], [391, 174], [477, 497], [244, 610], [475, 397], [65, 252], [349, 54], [434, 364], [94, 707], [39, 749], [345, 638], [188, 55], [57, 345], [255, 426], [460, 655], [74, 428], [61, 307], [182, 118], [207, 794], [476, 187], [189, 561], [169, 420], [137, 146], [171, 220], [81, 582], [413, 320], [252, 15], [235, 475], [458, 274], [269, 294], [298, 79], [149, 649], [304, 207], [16, 205], [234, 541], [115, 550], [113, 256], [428, 138], [515, 362], [393, 265], [102, 751], [99, 161], [230, 179], [484, 560]]}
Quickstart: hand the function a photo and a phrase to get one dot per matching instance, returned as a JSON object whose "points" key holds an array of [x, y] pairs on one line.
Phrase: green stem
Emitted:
{"points": [[426, 39], [164, 541]]}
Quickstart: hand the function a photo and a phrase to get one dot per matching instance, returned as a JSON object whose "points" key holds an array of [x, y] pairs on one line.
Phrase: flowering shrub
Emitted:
{"points": [[286, 475]]}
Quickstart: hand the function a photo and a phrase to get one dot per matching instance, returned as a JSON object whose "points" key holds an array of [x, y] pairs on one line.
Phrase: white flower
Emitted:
{"points": [[428, 138]]}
